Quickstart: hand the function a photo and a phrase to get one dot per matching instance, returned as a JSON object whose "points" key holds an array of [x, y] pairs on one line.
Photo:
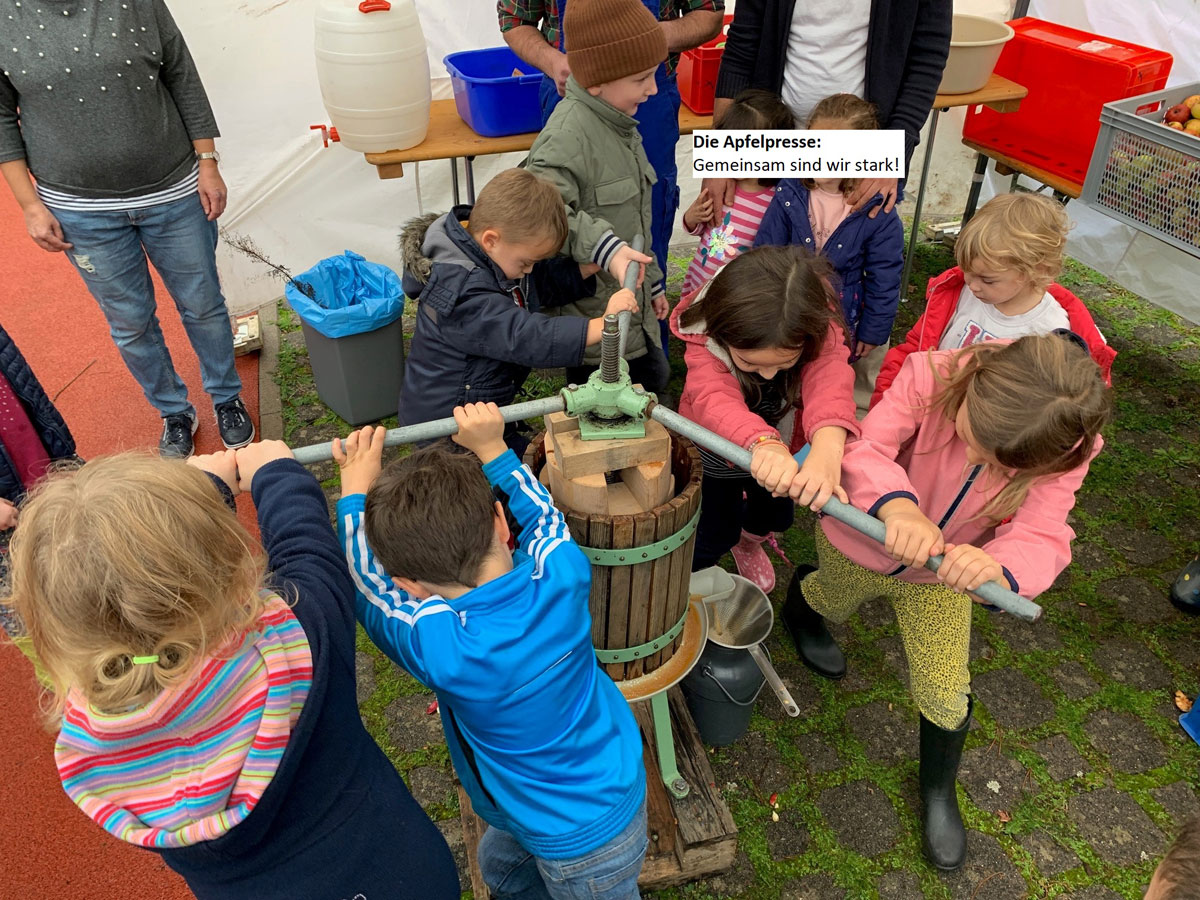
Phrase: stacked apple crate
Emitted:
{"points": [[1145, 170]]}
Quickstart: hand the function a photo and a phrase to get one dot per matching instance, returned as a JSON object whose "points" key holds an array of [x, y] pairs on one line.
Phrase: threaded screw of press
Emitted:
{"points": [[610, 359]]}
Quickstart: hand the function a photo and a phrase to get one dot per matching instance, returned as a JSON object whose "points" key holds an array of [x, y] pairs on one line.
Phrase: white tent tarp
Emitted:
{"points": [[300, 203]]}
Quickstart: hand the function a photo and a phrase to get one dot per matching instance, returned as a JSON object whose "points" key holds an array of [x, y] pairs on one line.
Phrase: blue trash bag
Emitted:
{"points": [[349, 296]]}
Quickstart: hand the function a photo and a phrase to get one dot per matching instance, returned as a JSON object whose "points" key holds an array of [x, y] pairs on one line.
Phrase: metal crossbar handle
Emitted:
{"points": [[630, 282], [848, 515], [856, 519], [428, 431]]}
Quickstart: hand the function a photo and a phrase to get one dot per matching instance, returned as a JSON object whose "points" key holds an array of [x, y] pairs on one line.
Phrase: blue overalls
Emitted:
{"points": [[658, 124]]}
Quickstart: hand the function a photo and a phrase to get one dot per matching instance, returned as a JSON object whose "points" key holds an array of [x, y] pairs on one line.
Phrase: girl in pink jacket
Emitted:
{"points": [[761, 339], [975, 453]]}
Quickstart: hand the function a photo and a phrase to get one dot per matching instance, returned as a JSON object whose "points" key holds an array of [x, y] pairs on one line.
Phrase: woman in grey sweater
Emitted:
{"points": [[101, 103]]}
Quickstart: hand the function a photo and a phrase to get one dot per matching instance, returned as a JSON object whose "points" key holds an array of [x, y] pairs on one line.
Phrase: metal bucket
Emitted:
{"points": [[720, 692]]}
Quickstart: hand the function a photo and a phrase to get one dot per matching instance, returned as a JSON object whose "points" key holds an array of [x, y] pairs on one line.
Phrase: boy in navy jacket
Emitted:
{"points": [[480, 276], [542, 740]]}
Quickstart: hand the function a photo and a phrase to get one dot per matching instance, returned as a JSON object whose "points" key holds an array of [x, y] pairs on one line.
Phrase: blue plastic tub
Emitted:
{"points": [[489, 98]]}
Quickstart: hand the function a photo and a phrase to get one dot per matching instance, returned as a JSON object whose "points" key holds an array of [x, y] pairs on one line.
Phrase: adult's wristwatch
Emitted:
{"points": [[210, 154]]}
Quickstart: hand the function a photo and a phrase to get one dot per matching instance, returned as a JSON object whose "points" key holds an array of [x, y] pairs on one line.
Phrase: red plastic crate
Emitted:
{"points": [[1070, 75], [697, 72]]}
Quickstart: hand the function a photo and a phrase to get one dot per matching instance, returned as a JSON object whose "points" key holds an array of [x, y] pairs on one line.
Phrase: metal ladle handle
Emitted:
{"points": [[773, 679]]}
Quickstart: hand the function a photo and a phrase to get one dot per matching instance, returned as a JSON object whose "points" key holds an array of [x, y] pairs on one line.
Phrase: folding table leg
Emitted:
{"points": [[981, 164], [916, 225]]}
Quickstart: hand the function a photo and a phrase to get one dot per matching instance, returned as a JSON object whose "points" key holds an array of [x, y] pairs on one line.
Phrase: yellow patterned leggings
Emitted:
{"points": [[935, 626]]}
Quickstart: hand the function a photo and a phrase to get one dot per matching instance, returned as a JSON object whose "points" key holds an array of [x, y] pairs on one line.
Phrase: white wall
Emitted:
{"points": [[300, 203]]}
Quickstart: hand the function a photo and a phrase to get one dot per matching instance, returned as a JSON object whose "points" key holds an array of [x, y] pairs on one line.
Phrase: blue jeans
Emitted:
{"points": [[610, 872], [110, 252]]}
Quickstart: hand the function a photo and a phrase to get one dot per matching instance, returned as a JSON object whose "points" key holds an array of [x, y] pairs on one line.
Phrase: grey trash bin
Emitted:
{"points": [[358, 376], [351, 312]]}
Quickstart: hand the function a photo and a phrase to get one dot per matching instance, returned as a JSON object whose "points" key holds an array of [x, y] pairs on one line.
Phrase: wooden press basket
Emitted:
{"points": [[639, 605]]}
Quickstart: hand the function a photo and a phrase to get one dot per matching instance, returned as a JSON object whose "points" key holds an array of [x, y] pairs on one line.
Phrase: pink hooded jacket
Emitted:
{"points": [[713, 398], [909, 451]]}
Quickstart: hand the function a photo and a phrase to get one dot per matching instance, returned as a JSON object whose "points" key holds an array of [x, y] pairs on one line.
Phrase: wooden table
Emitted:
{"points": [[1064, 189], [999, 94], [449, 137]]}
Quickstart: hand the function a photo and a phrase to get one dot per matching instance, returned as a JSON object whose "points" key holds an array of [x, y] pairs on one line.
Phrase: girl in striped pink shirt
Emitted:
{"points": [[203, 684], [725, 236]]}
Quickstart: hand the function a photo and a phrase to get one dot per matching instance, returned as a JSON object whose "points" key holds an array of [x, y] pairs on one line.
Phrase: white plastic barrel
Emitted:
{"points": [[374, 72]]}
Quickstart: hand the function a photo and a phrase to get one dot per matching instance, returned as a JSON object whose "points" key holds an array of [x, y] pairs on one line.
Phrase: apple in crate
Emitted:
{"points": [[1192, 126], [1178, 113], [1192, 100], [1176, 125]]}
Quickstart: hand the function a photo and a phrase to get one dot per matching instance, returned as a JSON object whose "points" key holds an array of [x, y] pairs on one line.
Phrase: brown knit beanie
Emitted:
{"points": [[610, 39]]}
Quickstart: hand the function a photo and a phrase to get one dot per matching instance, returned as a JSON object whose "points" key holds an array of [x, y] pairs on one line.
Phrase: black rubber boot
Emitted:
{"points": [[1185, 593], [815, 644], [945, 839]]}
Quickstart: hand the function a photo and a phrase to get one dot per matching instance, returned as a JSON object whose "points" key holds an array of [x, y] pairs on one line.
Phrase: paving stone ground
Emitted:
{"points": [[1076, 773]]}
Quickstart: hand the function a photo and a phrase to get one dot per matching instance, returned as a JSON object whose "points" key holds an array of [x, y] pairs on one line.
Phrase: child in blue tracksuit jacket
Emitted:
{"points": [[542, 740], [865, 247]]}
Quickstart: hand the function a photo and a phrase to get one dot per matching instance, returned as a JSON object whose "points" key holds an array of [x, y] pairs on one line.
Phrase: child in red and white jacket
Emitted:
{"points": [[734, 228], [762, 339], [1003, 287], [975, 453]]}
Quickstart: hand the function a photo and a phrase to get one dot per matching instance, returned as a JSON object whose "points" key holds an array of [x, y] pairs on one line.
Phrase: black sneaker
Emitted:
{"points": [[234, 424], [1185, 593], [176, 440]]}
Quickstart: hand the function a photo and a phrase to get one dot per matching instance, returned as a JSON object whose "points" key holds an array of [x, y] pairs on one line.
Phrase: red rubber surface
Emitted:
{"points": [[50, 848]]}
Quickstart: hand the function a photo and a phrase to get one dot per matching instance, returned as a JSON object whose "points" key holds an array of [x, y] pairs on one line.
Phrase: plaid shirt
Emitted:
{"points": [[543, 15]]}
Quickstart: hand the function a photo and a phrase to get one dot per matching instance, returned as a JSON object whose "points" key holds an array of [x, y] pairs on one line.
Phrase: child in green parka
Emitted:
{"points": [[591, 149]]}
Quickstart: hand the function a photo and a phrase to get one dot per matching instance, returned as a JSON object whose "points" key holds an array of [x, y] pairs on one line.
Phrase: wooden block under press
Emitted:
{"points": [[578, 457], [622, 502], [559, 421], [650, 483], [587, 494]]}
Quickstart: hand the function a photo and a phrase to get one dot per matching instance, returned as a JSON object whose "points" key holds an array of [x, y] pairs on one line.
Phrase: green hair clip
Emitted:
{"points": [[145, 660]]}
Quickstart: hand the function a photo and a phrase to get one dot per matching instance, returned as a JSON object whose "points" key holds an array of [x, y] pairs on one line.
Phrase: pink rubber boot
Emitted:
{"points": [[752, 562]]}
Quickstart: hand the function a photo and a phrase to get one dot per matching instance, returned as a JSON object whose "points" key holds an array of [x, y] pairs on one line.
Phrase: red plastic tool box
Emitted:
{"points": [[697, 72], [1070, 75]]}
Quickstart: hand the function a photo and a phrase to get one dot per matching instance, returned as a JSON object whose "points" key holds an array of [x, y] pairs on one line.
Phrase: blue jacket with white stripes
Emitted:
{"points": [[542, 740]]}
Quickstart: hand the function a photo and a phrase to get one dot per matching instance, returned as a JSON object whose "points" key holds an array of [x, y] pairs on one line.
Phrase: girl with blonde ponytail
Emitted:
{"points": [[975, 453], [128, 573]]}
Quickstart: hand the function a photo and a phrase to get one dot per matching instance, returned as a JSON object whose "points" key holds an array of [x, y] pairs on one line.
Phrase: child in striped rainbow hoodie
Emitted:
{"points": [[208, 709]]}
